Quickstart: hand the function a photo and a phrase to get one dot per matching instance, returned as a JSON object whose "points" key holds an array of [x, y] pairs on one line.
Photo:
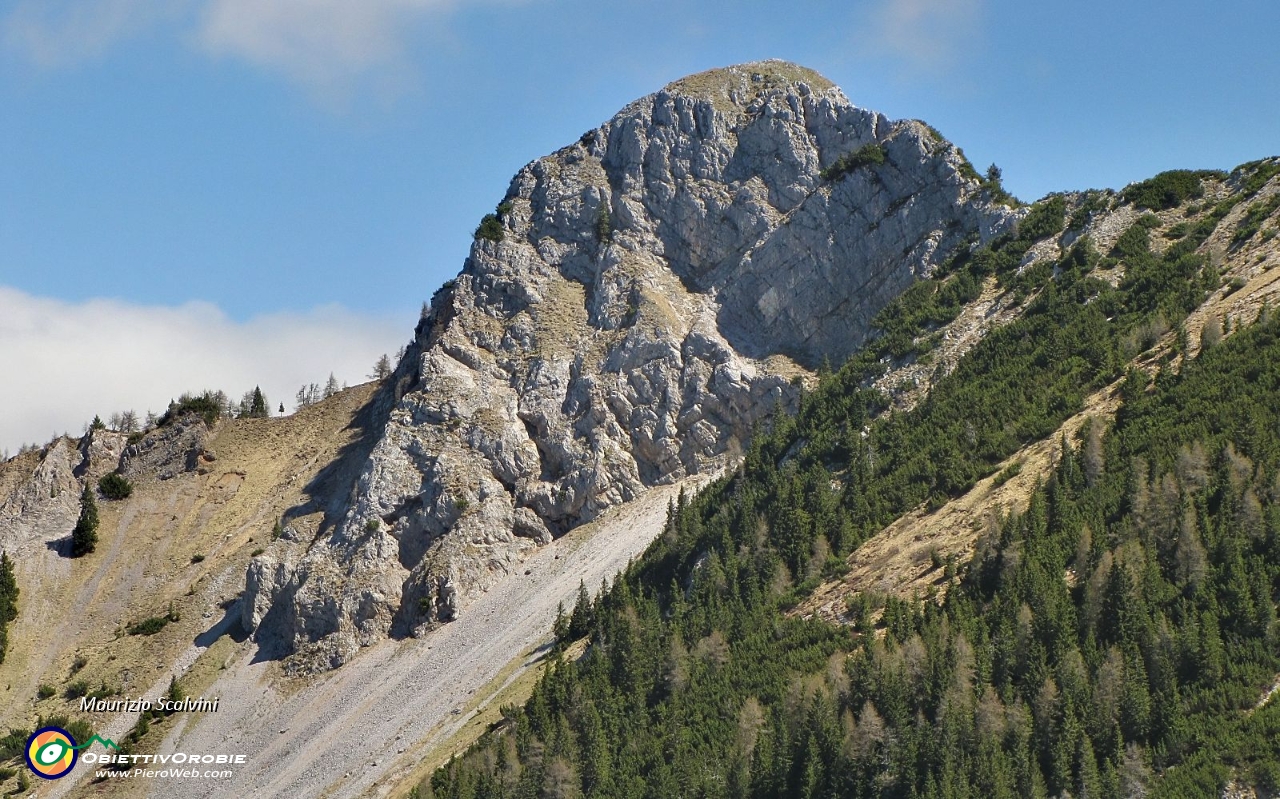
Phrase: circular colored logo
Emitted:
{"points": [[51, 753]]}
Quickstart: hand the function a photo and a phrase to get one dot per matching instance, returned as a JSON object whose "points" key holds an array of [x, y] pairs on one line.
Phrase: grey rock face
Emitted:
{"points": [[168, 451], [658, 286], [42, 505]]}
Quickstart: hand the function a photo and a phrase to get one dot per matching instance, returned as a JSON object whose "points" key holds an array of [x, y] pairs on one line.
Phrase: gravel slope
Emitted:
{"points": [[350, 732]]}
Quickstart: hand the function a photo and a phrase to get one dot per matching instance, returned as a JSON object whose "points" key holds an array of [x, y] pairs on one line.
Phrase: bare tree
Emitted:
{"points": [[331, 386], [307, 395], [1211, 333], [1094, 459]]}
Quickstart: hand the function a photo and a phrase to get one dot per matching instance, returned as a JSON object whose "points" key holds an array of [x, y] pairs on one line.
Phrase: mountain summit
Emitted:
{"points": [[638, 300]]}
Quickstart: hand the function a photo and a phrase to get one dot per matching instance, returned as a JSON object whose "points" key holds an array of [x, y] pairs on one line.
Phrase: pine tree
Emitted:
{"points": [[258, 405], [8, 600], [560, 629], [580, 621], [8, 590], [84, 538]]}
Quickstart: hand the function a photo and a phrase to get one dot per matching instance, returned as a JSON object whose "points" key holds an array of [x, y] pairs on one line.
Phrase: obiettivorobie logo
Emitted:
{"points": [[52, 752]]}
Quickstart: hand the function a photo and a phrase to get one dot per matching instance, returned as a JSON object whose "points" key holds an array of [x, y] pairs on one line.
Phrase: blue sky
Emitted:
{"points": [[316, 167]]}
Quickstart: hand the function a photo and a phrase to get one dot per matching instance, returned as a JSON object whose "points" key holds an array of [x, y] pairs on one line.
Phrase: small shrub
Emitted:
{"points": [[7, 773], [12, 744], [149, 626], [1008, 473], [79, 663], [257, 552], [46, 691], [1167, 189], [1255, 215], [966, 167], [1261, 172], [867, 155], [113, 486], [490, 229], [141, 728], [197, 558], [372, 526], [208, 406], [76, 689], [174, 694], [604, 225], [1045, 219], [1093, 201], [80, 730]]}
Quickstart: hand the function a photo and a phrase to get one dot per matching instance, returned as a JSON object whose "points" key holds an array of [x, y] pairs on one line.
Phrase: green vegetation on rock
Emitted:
{"points": [[114, 486], [1168, 189], [208, 405], [867, 155], [8, 600]]}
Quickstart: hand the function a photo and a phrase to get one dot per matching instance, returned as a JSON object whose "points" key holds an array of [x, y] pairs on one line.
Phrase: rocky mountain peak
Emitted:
{"points": [[739, 87], [638, 300]]}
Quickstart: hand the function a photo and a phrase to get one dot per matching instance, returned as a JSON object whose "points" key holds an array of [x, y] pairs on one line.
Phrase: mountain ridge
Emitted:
{"points": [[360, 457], [638, 301]]}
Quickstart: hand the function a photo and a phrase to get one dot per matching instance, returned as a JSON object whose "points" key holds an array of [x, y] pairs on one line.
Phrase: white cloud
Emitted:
{"points": [[328, 46], [323, 44], [928, 35], [61, 363], [56, 33]]}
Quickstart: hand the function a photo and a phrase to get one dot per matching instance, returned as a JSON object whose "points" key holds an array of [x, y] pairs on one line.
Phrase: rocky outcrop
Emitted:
{"points": [[168, 451], [100, 452], [40, 497], [640, 300]]}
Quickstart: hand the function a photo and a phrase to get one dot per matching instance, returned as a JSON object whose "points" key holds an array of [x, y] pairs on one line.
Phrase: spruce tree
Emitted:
{"points": [[258, 405], [84, 538], [8, 590], [580, 621], [8, 601]]}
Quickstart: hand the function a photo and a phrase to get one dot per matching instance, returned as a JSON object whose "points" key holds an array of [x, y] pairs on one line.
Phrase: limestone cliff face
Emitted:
{"points": [[658, 288]]}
